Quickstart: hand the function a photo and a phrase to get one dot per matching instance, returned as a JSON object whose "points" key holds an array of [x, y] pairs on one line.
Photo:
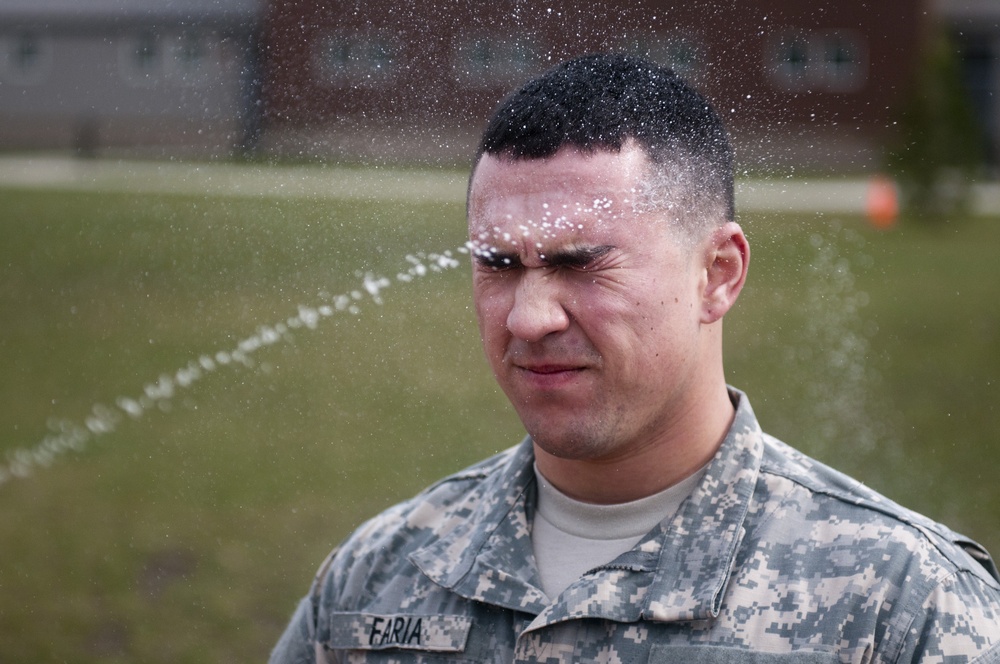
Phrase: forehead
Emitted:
{"points": [[561, 192]]}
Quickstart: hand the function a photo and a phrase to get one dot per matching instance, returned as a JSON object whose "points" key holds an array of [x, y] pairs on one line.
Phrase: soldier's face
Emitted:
{"points": [[588, 309]]}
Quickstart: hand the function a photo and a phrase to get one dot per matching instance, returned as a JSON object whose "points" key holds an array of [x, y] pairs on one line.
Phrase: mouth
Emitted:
{"points": [[552, 367], [549, 369], [548, 376]]}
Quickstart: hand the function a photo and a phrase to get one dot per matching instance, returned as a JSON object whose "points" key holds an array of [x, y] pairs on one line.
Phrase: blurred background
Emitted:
{"points": [[234, 311], [825, 86]]}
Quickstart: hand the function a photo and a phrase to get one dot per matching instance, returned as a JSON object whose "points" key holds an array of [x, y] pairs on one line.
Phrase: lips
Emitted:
{"points": [[549, 368], [545, 377]]}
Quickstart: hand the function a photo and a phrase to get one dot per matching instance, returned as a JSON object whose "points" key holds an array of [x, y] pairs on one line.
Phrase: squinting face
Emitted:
{"points": [[589, 311]]}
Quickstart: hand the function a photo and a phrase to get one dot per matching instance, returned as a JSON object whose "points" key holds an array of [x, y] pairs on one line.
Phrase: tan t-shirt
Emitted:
{"points": [[570, 537]]}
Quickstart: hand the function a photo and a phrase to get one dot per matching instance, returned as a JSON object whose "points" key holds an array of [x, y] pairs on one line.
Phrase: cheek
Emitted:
{"points": [[618, 306], [643, 322], [492, 296], [489, 310], [491, 314]]}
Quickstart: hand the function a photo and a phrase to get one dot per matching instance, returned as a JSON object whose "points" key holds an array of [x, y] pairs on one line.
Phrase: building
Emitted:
{"points": [[974, 28], [803, 85], [147, 76]]}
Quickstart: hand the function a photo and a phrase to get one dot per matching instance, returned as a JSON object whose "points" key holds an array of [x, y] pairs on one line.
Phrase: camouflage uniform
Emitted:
{"points": [[773, 558]]}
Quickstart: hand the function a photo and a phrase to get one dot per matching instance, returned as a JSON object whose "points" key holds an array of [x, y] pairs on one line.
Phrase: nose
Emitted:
{"points": [[537, 310]]}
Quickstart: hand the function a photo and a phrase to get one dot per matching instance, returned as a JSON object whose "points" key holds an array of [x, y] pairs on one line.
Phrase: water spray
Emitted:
{"points": [[68, 435]]}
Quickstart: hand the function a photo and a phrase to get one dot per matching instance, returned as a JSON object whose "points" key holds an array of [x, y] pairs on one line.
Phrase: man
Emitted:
{"points": [[646, 517]]}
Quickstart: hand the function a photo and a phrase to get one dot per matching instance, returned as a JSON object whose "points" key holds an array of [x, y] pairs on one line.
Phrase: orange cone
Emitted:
{"points": [[882, 203]]}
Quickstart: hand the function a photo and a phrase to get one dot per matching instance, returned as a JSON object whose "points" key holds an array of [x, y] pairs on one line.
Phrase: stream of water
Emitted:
{"points": [[74, 435]]}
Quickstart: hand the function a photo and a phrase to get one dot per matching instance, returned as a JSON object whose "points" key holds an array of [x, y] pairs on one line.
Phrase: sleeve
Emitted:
{"points": [[959, 621], [296, 645], [299, 644]]}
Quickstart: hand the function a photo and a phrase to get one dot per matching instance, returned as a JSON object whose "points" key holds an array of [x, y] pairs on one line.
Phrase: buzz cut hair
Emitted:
{"points": [[604, 102]]}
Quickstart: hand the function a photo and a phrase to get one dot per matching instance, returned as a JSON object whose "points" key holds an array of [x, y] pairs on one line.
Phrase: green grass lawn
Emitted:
{"points": [[188, 534]]}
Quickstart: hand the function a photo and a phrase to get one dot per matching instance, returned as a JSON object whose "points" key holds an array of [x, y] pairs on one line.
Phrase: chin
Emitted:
{"points": [[572, 446]]}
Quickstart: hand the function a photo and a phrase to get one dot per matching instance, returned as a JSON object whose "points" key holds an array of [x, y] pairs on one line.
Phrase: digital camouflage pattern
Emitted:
{"points": [[773, 558]]}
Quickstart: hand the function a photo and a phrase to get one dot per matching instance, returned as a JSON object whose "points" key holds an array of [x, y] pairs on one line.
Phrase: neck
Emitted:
{"points": [[647, 467]]}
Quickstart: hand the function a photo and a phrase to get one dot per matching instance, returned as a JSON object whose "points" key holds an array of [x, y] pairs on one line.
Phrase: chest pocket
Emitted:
{"points": [[661, 654], [399, 637]]}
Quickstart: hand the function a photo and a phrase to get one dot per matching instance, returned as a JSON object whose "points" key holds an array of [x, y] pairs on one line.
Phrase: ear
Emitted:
{"points": [[727, 257]]}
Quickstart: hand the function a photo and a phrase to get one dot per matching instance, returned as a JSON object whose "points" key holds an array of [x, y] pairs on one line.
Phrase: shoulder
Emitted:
{"points": [[935, 588], [379, 548], [443, 504], [839, 510]]}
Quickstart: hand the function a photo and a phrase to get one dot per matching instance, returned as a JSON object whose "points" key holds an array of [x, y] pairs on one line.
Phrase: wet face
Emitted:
{"points": [[590, 311]]}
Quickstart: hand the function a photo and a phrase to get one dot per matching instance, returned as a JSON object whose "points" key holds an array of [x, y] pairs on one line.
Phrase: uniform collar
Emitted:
{"points": [[488, 557], [678, 572], [700, 542]]}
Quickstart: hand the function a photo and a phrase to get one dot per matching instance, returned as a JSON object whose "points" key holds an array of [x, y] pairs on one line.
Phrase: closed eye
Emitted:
{"points": [[496, 261], [576, 258], [579, 258]]}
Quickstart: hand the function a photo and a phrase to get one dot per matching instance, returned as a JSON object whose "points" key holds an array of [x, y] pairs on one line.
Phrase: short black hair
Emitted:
{"points": [[602, 101]]}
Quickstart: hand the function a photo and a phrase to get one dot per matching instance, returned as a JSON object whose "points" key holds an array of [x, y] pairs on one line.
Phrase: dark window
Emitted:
{"points": [[828, 61], [352, 59], [490, 61]]}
